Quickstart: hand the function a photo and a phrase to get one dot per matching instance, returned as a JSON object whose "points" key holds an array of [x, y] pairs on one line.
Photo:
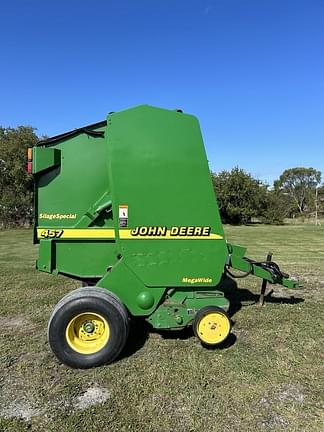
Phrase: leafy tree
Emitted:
{"points": [[300, 184], [320, 197], [279, 206], [240, 196], [16, 185]]}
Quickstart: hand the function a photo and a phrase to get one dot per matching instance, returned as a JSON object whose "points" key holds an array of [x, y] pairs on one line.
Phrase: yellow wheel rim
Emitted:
{"points": [[213, 328], [87, 333]]}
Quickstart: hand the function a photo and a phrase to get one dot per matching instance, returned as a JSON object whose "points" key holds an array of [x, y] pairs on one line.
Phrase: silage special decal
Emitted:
{"points": [[59, 216]]}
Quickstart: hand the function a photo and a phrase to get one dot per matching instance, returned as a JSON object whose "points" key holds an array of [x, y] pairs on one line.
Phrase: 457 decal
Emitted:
{"points": [[50, 233], [76, 233]]}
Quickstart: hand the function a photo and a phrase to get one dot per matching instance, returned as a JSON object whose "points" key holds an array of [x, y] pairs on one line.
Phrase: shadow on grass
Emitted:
{"points": [[140, 331], [181, 334], [187, 333], [138, 334], [241, 297], [228, 342]]}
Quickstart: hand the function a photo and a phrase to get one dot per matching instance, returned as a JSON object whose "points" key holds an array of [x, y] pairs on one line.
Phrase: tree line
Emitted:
{"points": [[241, 198], [297, 193]]}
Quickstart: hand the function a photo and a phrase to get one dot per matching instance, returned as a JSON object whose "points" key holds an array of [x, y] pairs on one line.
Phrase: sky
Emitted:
{"points": [[252, 71]]}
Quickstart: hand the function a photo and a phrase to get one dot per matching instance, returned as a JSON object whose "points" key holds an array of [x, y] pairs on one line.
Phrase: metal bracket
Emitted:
{"points": [[264, 284]]}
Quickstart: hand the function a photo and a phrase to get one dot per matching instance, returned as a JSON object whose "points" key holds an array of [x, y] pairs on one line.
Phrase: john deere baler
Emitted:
{"points": [[126, 206]]}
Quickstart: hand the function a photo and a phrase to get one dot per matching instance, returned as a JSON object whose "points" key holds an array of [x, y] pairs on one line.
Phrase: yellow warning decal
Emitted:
{"points": [[75, 233]]}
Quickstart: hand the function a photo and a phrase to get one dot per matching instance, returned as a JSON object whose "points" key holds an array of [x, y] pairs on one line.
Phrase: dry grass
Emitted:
{"points": [[268, 378]]}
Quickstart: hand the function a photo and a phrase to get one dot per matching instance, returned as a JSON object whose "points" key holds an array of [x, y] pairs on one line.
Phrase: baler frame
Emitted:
{"points": [[116, 205]]}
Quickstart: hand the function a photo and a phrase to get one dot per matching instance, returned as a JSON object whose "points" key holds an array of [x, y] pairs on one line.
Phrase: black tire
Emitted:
{"points": [[83, 301], [224, 325]]}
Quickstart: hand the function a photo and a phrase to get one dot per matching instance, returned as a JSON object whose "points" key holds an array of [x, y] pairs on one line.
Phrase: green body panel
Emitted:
{"points": [[46, 256], [45, 158], [158, 167], [128, 204], [139, 299], [71, 188], [82, 266]]}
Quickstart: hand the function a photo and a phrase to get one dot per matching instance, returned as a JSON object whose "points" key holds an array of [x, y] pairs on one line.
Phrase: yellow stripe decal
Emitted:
{"points": [[108, 233]]}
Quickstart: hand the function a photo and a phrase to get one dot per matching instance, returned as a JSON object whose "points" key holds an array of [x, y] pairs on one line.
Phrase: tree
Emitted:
{"points": [[240, 196], [300, 184], [279, 206], [16, 185]]}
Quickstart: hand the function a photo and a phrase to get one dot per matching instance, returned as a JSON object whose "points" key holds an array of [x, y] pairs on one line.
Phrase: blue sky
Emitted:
{"points": [[252, 71]]}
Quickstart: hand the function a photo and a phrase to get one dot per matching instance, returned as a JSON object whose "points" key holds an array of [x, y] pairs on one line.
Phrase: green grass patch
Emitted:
{"points": [[269, 377]]}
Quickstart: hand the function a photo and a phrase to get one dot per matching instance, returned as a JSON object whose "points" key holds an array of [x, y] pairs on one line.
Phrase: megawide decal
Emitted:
{"points": [[59, 216], [197, 280], [74, 233], [175, 232]]}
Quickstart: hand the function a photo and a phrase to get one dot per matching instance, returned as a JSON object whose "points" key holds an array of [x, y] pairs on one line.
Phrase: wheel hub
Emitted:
{"points": [[89, 327], [87, 333], [213, 328]]}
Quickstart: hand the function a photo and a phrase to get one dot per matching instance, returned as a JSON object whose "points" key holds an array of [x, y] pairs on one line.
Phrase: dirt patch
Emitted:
{"points": [[14, 322], [20, 408], [18, 323], [291, 393], [92, 396], [271, 419], [274, 421]]}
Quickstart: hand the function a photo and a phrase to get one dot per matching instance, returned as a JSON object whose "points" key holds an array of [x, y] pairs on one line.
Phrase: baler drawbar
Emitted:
{"points": [[267, 270], [126, 206]]}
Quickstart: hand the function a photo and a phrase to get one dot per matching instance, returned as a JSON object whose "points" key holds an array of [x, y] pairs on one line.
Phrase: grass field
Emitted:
{"points": [[269, 376]]}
